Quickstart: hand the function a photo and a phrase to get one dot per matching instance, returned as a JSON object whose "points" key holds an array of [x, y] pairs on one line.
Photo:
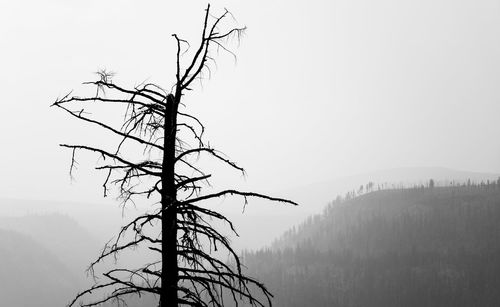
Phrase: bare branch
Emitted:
{"points": [[244, 194]]}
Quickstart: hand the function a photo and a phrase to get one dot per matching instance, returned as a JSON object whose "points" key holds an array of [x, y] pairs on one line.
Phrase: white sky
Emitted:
{"points": [[322, 89]]}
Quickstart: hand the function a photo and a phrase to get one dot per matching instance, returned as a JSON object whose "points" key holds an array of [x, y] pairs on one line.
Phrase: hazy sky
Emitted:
{"points": [[321, 89]]}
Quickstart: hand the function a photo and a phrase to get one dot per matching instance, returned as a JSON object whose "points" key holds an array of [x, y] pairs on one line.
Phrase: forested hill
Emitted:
{"points": [[432, 246]]}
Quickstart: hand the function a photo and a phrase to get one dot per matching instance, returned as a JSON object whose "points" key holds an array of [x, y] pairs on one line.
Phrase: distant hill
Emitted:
{"points": [[30, 275], [418, 246], [100, 220], [61, 235]]}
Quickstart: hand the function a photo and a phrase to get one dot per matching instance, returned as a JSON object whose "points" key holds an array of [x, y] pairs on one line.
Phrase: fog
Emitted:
{"points": [[324, 96]]}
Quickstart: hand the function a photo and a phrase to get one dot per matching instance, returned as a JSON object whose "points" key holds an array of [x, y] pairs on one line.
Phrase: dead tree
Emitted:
{"points": [[151, 161]]}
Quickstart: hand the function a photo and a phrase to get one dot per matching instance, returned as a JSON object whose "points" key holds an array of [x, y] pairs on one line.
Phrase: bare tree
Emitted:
{"points": [[154, 158]]}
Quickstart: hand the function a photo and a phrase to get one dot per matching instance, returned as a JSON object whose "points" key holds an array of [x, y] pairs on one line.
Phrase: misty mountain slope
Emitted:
{"points": [[276, 219], [30, 275], [100, 219], [428, 218], [59, 234], [407, 247], [313, 197]]}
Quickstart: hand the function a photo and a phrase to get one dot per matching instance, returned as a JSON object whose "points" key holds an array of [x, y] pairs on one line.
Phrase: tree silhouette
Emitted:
{"points": [[157, 146]]}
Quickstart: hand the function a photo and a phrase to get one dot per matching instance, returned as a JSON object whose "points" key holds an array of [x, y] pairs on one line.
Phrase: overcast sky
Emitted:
{"points": [[321, 89]]}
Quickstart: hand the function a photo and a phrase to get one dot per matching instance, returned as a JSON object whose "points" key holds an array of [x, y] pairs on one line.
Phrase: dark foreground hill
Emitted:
{"points": [[435, 246]]}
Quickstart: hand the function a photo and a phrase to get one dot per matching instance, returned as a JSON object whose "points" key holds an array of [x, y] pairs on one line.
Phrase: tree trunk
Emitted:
{"points": [[170, 272]]}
